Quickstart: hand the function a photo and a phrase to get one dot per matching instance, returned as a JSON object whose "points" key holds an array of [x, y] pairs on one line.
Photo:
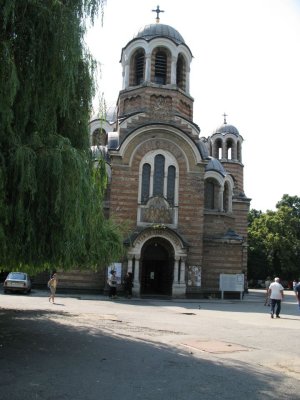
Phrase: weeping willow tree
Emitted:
{"points": [[51, 193]]}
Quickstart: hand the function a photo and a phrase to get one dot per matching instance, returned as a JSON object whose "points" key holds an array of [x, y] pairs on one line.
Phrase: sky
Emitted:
{"points": [[246, 63]]}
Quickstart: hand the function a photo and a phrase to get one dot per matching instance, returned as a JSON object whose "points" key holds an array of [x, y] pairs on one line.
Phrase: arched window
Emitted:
{"points": [[171, 184], [158, 178], [209, 195], [229, 150], [145, 183], [139, 67], [180, 72], [99, 137], [160, 75], [218, 149], [226, 198]]}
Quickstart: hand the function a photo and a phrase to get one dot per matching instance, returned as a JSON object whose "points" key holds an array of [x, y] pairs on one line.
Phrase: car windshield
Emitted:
{"points": [[17, 275]]}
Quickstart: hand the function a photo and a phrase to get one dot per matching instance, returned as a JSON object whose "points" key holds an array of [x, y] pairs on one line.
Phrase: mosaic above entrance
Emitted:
{"points": [[157, 210]]}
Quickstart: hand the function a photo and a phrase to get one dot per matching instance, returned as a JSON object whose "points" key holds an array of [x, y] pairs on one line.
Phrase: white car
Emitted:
{"points": [[17, 282]]}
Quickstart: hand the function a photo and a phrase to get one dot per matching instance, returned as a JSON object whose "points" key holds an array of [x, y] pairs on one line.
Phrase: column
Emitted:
{"points": [[187, 80], [147, 76], [173, 70], [179, 287], [136, 290], [129, 268], [182, 271], [234, 151], [221, 195], [224, 150], [230, 200], [176, 264], [126, 75]]}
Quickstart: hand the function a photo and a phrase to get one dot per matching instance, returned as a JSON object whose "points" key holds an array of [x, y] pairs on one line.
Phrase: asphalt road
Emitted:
{"points": [[86, 347]]}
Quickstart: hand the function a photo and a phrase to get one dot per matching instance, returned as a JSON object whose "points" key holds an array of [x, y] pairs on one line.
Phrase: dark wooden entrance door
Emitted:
{"points": [[157, 271]]}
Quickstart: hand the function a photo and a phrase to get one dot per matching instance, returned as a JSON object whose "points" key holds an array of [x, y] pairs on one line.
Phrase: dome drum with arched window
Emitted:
{"points": [[157, 55], [226, 143]]}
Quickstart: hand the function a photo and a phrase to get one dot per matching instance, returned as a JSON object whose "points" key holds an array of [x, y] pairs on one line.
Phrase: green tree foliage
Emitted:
{"points": [[292, 202], [51, 193], [274, 240]]}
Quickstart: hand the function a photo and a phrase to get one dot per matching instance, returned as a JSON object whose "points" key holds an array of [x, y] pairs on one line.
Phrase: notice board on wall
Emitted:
{"points": [[232, 283]]}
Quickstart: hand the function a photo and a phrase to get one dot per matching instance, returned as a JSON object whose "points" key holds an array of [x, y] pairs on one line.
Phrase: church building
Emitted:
{"points": [[181, 195]]}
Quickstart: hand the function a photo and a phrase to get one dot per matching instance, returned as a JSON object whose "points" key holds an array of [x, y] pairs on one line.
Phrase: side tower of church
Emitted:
{"points": [[181, 195]]}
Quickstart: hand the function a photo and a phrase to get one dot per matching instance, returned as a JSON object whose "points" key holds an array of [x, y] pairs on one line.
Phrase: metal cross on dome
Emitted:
{"points": [[225, 115], [158, 11]]}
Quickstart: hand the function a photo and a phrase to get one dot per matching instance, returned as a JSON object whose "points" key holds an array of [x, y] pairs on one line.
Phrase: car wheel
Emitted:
{"points": [[5, 291], [29, 291]]}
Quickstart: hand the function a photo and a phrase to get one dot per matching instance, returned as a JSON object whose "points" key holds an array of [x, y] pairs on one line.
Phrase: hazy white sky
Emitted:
{"points": [[246, 63]]}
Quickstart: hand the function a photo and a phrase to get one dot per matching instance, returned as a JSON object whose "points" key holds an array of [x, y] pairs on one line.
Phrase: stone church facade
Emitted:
{"points": [[181, 195]]}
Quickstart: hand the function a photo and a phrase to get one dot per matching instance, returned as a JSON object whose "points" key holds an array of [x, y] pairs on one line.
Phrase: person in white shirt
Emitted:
{"points": [[276, 295], [294, 284]]}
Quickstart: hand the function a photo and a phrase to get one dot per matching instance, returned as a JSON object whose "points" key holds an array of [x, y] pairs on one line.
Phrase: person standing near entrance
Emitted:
{"points": [[112, 283], [128, 285], [276, 295]]}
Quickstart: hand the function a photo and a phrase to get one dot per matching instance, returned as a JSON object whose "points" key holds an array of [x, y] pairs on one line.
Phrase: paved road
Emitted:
{"points": [[86, 347]]}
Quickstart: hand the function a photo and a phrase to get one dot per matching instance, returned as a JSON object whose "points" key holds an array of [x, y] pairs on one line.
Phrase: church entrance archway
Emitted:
{"points": [[157, 266]]}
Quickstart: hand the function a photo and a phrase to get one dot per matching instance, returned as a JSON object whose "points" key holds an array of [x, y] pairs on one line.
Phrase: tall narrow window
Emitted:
{"points": [[218, 149], [139, 68], [145, 183], [171, 185], [160, 68], [180, 72], [226, 198], [229, 148], [209, 195], [158, 179]]}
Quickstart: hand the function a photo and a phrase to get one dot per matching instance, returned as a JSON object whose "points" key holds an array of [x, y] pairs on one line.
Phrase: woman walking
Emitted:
{"points": [[52, 284]]}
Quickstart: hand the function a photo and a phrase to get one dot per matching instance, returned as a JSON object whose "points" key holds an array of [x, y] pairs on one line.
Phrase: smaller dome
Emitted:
{"points": [[159, 30], [203, 149], [112, 140], [215, 165], [225, 128]]}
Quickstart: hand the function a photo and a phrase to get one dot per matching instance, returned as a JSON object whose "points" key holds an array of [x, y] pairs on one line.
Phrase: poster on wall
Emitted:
{"points": [[118, 268], [232, 282], [194, 275]]}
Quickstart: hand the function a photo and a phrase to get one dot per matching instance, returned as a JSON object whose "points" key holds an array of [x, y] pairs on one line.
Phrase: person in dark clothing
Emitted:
{"points": [[128, 284], [297, 293]]}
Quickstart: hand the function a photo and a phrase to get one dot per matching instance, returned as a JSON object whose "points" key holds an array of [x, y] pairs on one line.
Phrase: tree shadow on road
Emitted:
{"points": [[57, 355]]}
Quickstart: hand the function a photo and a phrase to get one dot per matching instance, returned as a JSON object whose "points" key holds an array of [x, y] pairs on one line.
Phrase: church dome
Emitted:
{"points": [[152, 31], [215, 165], [225, 128]]}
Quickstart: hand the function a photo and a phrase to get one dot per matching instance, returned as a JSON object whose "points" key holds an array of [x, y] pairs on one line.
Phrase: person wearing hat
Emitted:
{"points": [[112, 283]]}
